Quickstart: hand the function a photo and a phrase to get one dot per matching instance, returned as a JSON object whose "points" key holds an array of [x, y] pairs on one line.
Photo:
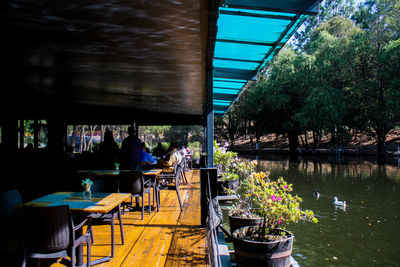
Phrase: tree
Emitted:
{"points": [[322, 111], [380, 17], [277, 100], [220, 132], [374, 66], [327, 10]]}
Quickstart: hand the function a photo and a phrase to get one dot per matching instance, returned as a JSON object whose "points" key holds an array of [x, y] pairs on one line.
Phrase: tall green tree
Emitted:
{"points": [[283, 94], [322, 111], [373, 66], [327, 10]]}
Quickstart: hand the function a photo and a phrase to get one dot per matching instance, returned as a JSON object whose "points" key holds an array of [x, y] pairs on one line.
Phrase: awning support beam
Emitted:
{"points": [[248, 14], [248, 42]]}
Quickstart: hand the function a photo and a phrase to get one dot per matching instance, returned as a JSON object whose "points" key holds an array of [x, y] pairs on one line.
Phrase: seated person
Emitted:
{"points": [[188, 152], [182, 150], [159, 151], [174, 156], [145, 158], [188, 155]]}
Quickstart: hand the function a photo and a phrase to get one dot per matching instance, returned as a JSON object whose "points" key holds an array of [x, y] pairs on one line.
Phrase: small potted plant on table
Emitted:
{"points": [[267, 243], [87, 184]]}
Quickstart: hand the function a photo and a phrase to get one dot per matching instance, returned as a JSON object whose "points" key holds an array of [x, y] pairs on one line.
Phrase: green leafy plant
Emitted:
{"points": [[232, 168], [276, 205], [245, 207], [86, 184], [222, 158]]}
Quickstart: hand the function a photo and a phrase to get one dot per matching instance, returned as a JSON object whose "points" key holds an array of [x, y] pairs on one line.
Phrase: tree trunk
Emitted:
{"points": [[315, 141], [84, 148], [81, 139], [90, 145], [380, 138], [306, 138], [73, 137], [293, 141], [103, 129], [303, 143]]}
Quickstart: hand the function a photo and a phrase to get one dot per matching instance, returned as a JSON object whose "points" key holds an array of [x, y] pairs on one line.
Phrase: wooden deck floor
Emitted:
{"points": [[165, 238]]}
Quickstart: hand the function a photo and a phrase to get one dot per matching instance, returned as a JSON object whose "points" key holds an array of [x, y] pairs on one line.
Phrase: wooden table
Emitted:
{"points": [[100, 172], [114, 174], [99, 203], [153, 172], [153, 175]]}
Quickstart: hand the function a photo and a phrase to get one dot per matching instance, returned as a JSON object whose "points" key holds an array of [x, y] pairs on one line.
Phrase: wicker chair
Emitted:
{"points": [[168, 176], [183, 170], [49, 232], [10, 233], [8, 200], [171, 183], [132, 182]]}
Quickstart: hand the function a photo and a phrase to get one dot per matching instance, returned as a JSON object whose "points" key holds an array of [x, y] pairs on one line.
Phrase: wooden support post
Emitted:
{"points": [[210, 120], [206, 173]]}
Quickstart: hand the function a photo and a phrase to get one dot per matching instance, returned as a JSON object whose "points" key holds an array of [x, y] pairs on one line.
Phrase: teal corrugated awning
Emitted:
{"points": [[250, 33]]}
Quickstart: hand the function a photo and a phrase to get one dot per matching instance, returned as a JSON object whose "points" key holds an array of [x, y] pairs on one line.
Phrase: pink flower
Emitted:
{"points": [[273, 198], [280, 221], [279, 198], [285, 186]]}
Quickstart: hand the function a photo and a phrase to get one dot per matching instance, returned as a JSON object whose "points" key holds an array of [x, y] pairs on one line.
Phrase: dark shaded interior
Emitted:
{"points": [[93, 58]]}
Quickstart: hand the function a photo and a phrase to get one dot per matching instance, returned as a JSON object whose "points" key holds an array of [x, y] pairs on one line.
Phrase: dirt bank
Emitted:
{"points": [[360, 144]]}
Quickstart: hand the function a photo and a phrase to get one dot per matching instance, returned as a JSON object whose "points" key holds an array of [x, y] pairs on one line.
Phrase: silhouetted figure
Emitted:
{"points": [[108, 151], [130, 149], [69, 152], [159, 151]]}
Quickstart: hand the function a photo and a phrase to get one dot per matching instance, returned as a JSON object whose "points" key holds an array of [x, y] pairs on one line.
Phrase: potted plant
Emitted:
{"points": [[243, 212], [231, 169], [223, 159], [87, 184], [268, 243]]}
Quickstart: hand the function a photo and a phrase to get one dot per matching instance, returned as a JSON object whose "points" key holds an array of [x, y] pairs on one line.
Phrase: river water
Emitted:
{"points": [[366, 233]]}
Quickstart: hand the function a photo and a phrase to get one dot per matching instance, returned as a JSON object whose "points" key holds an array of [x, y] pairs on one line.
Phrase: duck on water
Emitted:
{"points": [[339, 203], [316, 194]]}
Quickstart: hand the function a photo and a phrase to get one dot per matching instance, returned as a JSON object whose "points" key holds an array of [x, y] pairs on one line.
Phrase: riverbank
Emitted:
{"points": [[339, 151], [362, 145]]}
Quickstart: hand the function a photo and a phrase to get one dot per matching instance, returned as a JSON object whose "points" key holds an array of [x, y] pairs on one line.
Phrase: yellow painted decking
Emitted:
{"points": [[165, 238]]}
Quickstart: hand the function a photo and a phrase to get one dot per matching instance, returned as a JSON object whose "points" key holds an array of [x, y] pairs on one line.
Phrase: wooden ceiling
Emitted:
{"points": [[99, 59]]}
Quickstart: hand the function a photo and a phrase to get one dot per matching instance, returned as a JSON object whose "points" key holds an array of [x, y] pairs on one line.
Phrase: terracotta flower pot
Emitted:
{"points": [[256, 253]]}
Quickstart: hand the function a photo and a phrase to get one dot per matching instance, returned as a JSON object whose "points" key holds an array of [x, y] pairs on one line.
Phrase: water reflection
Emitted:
{"points": [[365, 232], [350, 168]]}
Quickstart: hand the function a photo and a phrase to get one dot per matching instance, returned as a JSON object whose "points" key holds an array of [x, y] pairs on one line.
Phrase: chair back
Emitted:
{"points": [[8, 200], [182, 163], [176, 167], [47, 229], [178, 175], [131, 182], [105, 185]]}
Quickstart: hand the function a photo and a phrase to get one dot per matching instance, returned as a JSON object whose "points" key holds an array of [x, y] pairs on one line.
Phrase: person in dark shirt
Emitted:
{"points": [[130, 149], [108, 151], [159, 151]]}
